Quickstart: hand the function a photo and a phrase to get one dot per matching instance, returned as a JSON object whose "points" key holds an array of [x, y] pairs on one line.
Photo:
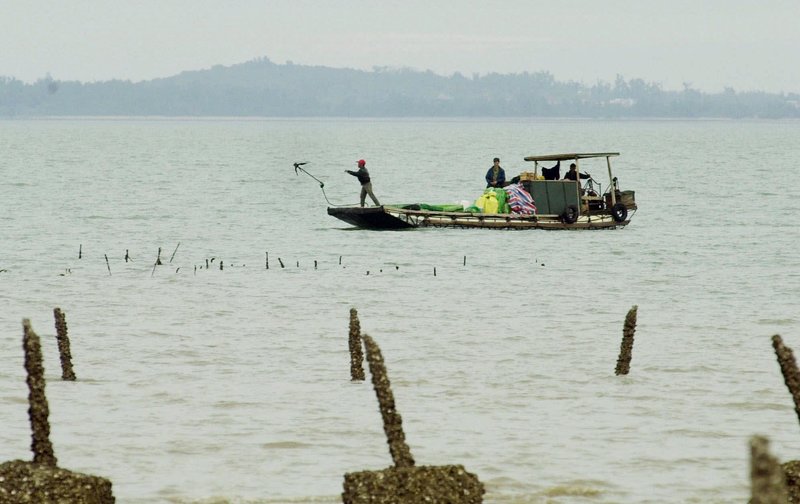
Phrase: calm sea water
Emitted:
{"points": [[208, 385]]}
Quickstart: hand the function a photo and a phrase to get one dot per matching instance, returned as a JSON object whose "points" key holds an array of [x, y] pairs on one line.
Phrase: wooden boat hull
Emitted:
{"points": [[388, 217]]}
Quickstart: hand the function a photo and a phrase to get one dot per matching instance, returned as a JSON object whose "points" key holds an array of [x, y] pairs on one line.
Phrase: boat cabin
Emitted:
{"points": [[569, 199]]}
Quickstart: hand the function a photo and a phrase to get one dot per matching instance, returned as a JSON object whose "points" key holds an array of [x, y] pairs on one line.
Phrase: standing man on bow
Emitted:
{"points": [[366, 184], [496, 176]]}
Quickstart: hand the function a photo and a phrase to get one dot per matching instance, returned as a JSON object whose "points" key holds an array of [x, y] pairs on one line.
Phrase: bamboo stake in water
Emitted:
{"points": [[626, 347], [767, 478], [80, 250], [37, 400], [791, 376], [356, 354], [108, 265], [392, 422], [174, 251], [266, 260], [279, 260], [64, 352]]}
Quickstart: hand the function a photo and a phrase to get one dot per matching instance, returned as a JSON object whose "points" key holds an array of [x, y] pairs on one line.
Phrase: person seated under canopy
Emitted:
{"points": [[572, 174]]}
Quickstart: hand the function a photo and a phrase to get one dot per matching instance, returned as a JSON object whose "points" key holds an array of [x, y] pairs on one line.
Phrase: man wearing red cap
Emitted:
{"points": [[366, 185]]}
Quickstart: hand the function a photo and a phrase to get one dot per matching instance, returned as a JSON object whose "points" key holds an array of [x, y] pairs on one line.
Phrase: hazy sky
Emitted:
{"points": [[708, 43]]}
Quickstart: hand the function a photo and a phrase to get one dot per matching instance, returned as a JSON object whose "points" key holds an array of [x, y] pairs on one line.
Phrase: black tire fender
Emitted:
{"points": [[619, 212], [570, 214]]}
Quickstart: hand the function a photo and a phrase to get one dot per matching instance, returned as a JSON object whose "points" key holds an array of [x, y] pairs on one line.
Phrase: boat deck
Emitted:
{"points": [[389, 217]]}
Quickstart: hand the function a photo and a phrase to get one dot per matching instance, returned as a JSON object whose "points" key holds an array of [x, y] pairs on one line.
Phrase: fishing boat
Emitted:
{"points": [[559, 204]]}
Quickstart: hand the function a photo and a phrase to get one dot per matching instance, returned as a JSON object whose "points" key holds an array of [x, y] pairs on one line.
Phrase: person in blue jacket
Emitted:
{"points": [[496, 176], [366, 184]]}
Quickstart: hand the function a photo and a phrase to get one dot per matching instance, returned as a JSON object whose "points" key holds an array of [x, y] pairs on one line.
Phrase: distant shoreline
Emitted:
{"points": [[164, 118], [261, 88]]}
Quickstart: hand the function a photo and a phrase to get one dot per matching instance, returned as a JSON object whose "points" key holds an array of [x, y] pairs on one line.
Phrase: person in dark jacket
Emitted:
{"points": [[496, 176], [366, 183], [572, 174]]}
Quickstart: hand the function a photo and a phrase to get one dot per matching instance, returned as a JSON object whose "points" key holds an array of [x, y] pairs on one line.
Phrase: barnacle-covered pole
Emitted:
{"points": [[37, 400], [63, 346], [356, 354], [626, 347], [767, 479], [392, 422], [791, 376]]}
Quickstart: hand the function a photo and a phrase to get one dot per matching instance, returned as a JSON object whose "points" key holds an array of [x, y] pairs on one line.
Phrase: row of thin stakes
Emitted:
{"points": [[209, 263]]}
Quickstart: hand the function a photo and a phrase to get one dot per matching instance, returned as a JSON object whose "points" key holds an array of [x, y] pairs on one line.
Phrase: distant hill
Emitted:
{"points": [[263, 88]]}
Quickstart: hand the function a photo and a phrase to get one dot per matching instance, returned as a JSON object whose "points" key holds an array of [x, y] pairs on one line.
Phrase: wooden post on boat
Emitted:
{"points": [[767, 479], [356, 354], [611, 181], [626, 347], [67, 374]]}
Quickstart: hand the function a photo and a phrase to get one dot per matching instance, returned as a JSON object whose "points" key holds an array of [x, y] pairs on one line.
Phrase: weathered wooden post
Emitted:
{"points": [[64, 352], [356, 355], [768, 485], [791, 377], [626, 347], [39, 411], [392, 421], [405, 483]]}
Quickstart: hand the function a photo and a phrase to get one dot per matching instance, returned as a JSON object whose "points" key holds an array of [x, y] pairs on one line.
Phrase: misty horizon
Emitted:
{"points": [[708, 45]]}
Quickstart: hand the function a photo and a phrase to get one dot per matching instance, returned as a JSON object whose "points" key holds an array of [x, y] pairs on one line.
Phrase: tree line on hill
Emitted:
{"points": [[261, 88]]}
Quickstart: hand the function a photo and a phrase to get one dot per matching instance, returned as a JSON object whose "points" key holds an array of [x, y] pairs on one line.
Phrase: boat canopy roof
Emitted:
{"points": [[574, 155]]}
